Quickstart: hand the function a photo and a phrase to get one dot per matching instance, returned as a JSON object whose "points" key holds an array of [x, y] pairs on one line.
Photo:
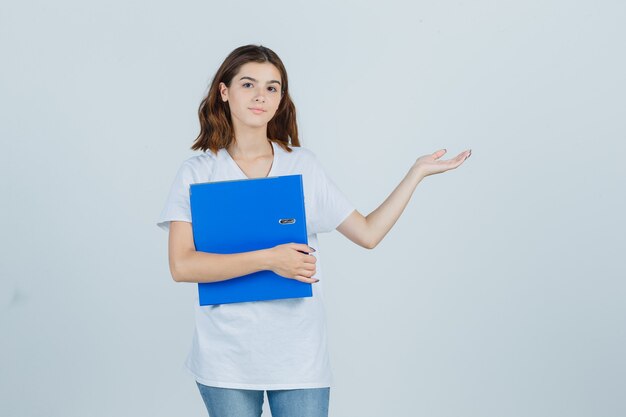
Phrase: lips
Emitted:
{"points": [[257, 111]]}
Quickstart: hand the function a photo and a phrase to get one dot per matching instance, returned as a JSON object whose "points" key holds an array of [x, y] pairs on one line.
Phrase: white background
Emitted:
{"points": [[499, 292]]}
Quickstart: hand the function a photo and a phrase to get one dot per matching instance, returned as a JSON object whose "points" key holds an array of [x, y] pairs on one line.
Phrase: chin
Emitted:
{"points": [[258, 123]]}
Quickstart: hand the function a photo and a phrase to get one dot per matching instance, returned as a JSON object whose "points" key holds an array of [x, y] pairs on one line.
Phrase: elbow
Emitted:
{"points": [[176, 273], [370, 244], [180, 266]]}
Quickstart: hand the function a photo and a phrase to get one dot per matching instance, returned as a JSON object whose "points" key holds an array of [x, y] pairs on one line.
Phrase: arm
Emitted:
{"points": [[188, 265], [370, 230], [289, 260]]}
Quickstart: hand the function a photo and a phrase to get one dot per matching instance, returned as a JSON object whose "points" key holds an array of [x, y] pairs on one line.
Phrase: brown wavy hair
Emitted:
{"points": [[216, 130]]}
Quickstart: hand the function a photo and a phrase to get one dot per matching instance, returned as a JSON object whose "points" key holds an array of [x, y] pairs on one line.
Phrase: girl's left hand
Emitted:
{"points": [[429, 164]]}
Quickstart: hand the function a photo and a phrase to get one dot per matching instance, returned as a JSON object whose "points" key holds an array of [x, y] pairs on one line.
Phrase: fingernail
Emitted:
{"points": [[313, 249]]}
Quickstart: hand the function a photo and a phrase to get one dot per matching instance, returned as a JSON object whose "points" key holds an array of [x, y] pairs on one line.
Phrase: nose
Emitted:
{"points": [[260, 97]]}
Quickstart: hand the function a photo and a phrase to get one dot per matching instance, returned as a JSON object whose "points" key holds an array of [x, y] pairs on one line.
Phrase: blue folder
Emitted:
{"points": [[246, 215]]}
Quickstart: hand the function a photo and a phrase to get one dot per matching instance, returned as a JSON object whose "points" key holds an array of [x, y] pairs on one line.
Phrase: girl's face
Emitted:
{"points": [[256, 86]]}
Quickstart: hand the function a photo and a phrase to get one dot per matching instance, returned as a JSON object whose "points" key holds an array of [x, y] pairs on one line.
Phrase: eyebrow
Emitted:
{"points": [[269, 82]]}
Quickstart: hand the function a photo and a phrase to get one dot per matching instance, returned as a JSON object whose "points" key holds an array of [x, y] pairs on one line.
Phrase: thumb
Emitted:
{"points": [[439, 153], [302, 247]]}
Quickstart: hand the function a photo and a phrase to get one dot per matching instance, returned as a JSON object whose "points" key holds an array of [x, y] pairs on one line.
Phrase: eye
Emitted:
{"points": [[244, 84], [274, 89]]}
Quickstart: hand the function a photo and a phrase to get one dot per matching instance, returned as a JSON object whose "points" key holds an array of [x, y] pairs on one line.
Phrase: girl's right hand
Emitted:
{"points": [[289, 261]]}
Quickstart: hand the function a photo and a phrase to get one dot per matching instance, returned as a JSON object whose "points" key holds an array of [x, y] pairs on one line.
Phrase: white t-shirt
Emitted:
{"points": [[271, 344]]}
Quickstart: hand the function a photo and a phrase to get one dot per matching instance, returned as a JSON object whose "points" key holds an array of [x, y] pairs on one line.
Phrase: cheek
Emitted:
{"points": [[237, 98], [240, 104], [240, 95], [276, 103]]}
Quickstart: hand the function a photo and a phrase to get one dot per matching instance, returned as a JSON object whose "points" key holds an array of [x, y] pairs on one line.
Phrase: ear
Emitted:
{"points": [[223, 92]]}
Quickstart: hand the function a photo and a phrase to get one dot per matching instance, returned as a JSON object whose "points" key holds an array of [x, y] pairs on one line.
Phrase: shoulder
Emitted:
{"points": [[200, 160], [198, 167], [302, 154]]}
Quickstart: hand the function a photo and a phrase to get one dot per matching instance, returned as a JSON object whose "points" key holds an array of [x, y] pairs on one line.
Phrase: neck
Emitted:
{"points": [[249, 147]]}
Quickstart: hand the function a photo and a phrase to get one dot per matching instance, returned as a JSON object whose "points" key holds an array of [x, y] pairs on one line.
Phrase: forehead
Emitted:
{"points": [[260, 70]]}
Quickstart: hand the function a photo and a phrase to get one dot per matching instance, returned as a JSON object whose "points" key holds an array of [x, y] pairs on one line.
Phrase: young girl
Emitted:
{"points": [[240, 350]]}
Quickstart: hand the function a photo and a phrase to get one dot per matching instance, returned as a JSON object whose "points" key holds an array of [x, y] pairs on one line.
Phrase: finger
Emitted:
{"points": [[305, 279], [310, 259], [439, 153], [306, 272], [463, 155], [309, 267], [302, 247], [447, 165], [457, 162]]}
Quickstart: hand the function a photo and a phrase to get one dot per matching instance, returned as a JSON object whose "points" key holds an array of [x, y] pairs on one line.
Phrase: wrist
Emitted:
{"points": [[416, 173], [266, 259]]}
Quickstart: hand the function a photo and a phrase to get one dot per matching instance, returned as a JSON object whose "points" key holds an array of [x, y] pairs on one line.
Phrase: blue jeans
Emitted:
{"points": [[229, 402]]}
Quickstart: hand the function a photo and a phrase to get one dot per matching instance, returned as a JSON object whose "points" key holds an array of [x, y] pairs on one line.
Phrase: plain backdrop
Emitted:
{"points": [[500, 290]]}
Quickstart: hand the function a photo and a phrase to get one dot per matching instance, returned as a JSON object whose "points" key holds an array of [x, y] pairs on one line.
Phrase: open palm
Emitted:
{"points": [[430, 164]]}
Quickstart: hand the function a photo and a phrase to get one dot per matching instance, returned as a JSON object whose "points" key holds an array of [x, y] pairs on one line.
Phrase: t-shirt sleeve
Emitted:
{"points": [[177, 203], [334, 207]]}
